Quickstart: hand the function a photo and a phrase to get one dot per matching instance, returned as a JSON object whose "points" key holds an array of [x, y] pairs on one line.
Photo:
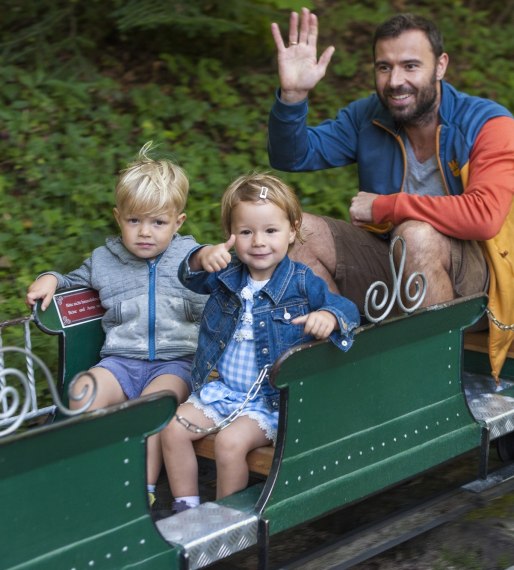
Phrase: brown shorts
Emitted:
{"points": [[363, 258]]}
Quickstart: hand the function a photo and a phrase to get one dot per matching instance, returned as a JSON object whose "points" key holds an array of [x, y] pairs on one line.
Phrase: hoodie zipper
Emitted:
{"points": [[152, 270]]}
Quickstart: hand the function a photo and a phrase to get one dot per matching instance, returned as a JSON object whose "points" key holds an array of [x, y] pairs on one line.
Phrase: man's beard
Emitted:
{"points": [[422, 113]]}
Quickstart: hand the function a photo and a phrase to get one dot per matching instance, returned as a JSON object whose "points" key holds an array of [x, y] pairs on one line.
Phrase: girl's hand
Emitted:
{"points": [[319, 324], [42, 288], [214, 257]]}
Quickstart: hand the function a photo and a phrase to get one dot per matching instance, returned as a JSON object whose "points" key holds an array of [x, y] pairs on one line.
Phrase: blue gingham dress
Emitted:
{"points": [[237, 369]]}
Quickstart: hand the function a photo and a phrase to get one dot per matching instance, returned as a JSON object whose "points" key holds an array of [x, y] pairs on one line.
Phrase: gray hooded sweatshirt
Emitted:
{"points": [[149, 314]]}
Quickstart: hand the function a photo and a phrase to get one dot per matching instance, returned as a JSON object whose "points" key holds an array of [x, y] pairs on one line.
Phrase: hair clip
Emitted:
{"points": [[264, 192]]}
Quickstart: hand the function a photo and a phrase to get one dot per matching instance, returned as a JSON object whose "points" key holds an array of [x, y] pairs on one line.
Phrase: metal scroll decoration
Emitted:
{"points": [[416, 282], [16, 407]]}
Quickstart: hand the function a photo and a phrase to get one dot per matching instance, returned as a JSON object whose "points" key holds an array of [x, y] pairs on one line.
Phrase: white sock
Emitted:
{"points": [[192, 501], [150, 488]]}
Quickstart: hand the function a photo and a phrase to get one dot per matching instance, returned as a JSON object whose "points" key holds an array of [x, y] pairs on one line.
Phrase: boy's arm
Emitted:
{"points": [[42, 288], [47, 283]]}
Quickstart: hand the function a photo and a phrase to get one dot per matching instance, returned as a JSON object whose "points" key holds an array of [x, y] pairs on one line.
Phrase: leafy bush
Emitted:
{"points": [[85, 85]]}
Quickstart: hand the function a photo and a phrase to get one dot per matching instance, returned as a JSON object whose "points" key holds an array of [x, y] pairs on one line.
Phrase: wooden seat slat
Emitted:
{"points": [[259, 460], [479, 342]]}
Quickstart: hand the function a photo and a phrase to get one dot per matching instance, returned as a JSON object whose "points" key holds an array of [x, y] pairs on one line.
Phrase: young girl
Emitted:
{"points": [[261, 304], [151, 321]]}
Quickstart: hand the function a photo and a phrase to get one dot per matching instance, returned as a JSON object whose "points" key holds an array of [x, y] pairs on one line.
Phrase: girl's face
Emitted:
{"points": [[263, 236], [148, 236]]}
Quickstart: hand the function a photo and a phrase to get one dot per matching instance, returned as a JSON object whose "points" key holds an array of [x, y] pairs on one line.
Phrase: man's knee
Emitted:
{"points": [[318, 250], [424, 242]]}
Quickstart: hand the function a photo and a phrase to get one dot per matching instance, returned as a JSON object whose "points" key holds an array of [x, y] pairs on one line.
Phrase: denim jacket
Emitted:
{"points": [[292, 291]]}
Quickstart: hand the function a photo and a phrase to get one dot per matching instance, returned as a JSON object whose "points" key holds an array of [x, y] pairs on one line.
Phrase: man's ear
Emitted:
{"points": [[442, 65]]}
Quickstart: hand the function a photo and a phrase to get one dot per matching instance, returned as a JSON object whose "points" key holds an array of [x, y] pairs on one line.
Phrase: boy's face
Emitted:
{"points": [[148, 236]]}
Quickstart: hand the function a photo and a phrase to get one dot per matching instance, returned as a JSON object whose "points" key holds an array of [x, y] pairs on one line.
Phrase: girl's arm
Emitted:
{"points": [[319, 324], [212, 258]]}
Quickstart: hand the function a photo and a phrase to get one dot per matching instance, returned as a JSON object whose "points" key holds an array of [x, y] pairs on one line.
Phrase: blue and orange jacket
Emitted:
{"points": [[475, 150]]}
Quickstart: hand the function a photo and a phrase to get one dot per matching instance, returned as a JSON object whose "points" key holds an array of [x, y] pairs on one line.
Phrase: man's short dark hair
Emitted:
{"points": [[400, 23]]}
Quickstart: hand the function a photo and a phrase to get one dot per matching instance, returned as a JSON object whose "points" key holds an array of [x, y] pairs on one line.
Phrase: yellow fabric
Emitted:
{"points": [[500, 258], [378, 228]]}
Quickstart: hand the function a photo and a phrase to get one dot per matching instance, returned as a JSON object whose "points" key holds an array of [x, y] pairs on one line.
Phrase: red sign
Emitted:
{"points": [[75, 307]]}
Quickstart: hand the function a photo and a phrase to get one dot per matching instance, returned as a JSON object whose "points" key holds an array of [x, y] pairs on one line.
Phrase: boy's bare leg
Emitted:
{"points": [[231, 448], [108, 390], [153, 443]]}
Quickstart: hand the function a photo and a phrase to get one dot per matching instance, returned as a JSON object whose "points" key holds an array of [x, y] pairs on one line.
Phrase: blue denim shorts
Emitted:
{"points": [[134, 375]]}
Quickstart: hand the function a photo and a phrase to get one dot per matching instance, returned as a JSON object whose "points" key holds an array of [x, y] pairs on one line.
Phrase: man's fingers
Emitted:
{"points": [[293, 28], [277, 36]]}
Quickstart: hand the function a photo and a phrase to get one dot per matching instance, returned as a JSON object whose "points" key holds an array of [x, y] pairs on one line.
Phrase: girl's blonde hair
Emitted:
{"points": [[150, 187], [252, 188]]}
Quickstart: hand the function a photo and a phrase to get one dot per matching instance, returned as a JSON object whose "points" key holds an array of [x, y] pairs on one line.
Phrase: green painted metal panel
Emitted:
{"points": [[359, 421], [73, 494], [80, 344]]}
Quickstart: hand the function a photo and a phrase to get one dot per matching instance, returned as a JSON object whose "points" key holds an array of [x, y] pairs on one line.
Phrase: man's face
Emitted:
{"points": [[407, 76]]}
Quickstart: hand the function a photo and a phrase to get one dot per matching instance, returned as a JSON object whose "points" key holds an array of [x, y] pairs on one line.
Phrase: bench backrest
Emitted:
{"points": [[356, 422], [73, 494], [75, 315]]}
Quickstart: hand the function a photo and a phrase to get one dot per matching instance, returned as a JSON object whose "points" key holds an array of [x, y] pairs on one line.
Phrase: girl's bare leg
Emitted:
{"points": [[153, 443], [179, 454], [231, 448]]}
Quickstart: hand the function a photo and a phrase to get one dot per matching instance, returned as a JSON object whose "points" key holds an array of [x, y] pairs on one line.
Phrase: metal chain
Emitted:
{"points": [[251, 394], [499, 324]]}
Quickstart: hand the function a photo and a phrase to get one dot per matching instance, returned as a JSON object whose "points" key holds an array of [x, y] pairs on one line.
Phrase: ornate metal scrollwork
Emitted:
{"points": [[15, 408], [416, 281]]}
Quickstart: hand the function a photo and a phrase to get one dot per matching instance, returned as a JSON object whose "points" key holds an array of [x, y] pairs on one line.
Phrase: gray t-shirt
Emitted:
{"points": [[423, 178]]}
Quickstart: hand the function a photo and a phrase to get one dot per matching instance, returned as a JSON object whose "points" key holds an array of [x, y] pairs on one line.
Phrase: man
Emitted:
{"points": [[435, 165]]}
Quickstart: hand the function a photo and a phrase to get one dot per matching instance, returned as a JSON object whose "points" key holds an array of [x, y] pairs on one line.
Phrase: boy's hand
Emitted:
{"points": [[319, 324], [213, 258], [42, 288]]}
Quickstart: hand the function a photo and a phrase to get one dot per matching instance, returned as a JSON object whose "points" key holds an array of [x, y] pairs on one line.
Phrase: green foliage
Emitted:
{"points": [[85, 85]]}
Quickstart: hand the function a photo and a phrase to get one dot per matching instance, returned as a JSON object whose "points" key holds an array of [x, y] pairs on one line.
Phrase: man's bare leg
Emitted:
{"points": [[428, 252], [318, 251]]}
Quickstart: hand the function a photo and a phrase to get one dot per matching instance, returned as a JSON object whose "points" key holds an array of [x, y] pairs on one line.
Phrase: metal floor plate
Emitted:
{"points": [[210, 532], [488, 404]]}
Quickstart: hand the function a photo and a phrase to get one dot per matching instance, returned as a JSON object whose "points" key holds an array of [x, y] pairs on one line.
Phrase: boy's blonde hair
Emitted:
{"points": [[149, 187], [252, 188]]}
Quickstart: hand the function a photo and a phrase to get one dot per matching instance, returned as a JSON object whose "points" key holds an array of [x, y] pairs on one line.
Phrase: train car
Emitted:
{"points": [[412, 393]]}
